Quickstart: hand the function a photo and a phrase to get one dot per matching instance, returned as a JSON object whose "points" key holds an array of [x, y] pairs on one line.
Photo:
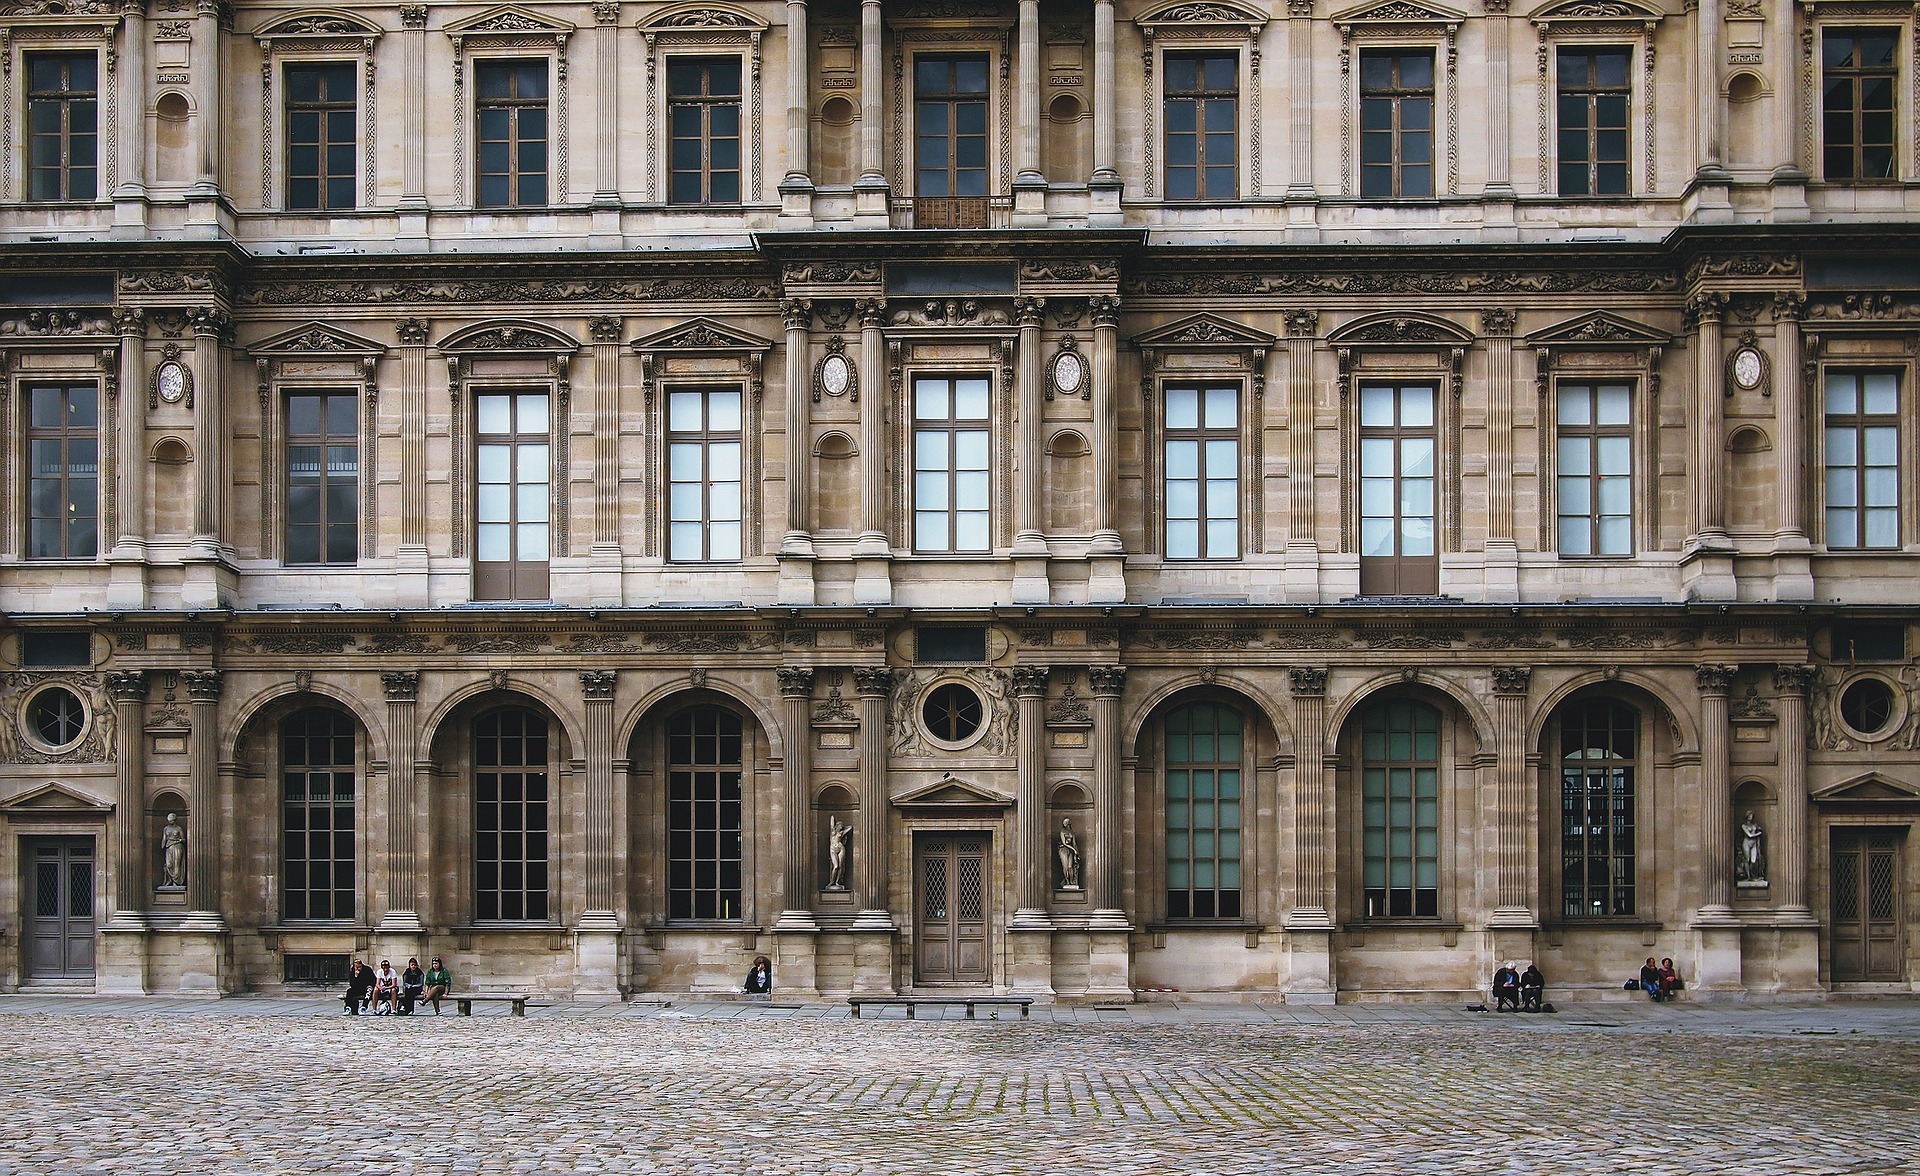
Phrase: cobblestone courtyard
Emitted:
{"points": [[259, 1085]]}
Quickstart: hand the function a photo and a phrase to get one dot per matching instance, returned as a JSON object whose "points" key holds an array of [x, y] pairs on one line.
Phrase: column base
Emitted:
{"points": [[1103, 211], [203, 954], [872, 571], [1706, 569], [795, 922], [603, 229], [1792, 568], [1789, 194], [596, 956], [121, 967], [796, 203], [130, 211], [209, 581], [606, 586], [1030, 583], [1501, 579], [1513, 919], [1029, 202], [1301, 575], [127, 577], [1107, 569], [409, 585], [796, 575], [872, 959], [796, 972], [872, 202], [1717, 957], [1310, 979], [411, 232], [1030, 919], [1030, 960], [1109, 961]]}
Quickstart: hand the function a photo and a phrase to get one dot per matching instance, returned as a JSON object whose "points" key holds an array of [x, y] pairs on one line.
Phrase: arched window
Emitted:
{"points": [[1400, 808], [317, 795], [510, 815], [1203, 812], [1599, 741], [703, 814]]}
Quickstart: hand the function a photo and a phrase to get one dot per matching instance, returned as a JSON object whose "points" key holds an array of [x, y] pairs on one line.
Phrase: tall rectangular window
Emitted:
{"points": [[703, 114], [317, 765], [1203, 117], [1598, 748], [510, 816], [321, 136], [63, 464], [704, 770], [1400, 809], [512, 496], [1596, 92], [1396, 124], [951, 464], [1203, 767], [950, 142], [63, 127], [1860, 83], [1203, 472], [703, 475], [1398, 443], [1594, 488], [511, 116], [323, 478], [1863, 459]]}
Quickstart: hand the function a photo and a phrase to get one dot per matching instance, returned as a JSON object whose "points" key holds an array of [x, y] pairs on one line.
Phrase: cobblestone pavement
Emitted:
{"points": [[287, 1085]]}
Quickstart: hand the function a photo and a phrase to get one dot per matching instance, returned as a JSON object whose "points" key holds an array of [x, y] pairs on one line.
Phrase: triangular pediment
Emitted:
{"points": [[704, 18], [1872, 787], [317, 22], [1203, 13], [508, 335], [1204, 330], [509, 19], [1399, 12], [1595, 10], [317, 339], [1401, 330], [1599, 329], [54, 800], [952, 792], [701, 334]]}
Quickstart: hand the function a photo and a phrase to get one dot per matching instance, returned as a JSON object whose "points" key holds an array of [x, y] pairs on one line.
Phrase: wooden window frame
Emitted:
{"points": [[1201, 99], [326, 441], [952, 427], [323, 108], [703, 103], [1399, 433], [1201, 436], [65, 436], [1856, 77], [683, 819], [1592, 433], [514, 104], [1592, 93], [705, 438], [961, 209], [484, 583], [353, 766], [1398, 94], [1215, 857], [1859, 422], [543, 910], [63, 101], [1377, 903], [1610, 854]]}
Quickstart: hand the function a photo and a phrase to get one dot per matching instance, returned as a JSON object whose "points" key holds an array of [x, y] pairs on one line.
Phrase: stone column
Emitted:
{"points": [[1709, 478], [1034, 849], [410, 558], [1788, 868], [1503, 548], [130, 187], [872, 552], [597, 936], [799, 179], [1709, 107], [203, 801], [796, 546], [126, 560], [1105, 182], [413, 131], [606, 45], [1107, 684], [1716, 820], [1030, 584], [1309, 925], [874, 685], [1303, 544], [1107, 581], [122, 964], [796, 704], [870, 192], [402, 888], [209, 458], [1786, 95], [1029, 184], [1499, 123], [1792, 394], [1513, 796], [608, 580], [207, 100]]}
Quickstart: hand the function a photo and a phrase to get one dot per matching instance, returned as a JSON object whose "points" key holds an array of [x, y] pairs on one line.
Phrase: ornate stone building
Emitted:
{"points": [[1079, 499]]}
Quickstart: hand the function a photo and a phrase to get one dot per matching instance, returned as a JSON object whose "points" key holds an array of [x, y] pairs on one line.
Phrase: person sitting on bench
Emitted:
{"points": [[1506, 989], [1533, 986]]}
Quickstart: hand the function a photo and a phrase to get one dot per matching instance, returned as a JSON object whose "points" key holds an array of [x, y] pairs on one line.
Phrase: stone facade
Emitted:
{"points": [[689, 427]]}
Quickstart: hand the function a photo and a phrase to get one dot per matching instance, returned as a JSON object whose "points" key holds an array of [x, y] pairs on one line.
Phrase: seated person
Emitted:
{"points": [[1506, 989], [439, 981], [1669, 979], [759, 978], [413, 986], [1650, 981], [1533, 985]]}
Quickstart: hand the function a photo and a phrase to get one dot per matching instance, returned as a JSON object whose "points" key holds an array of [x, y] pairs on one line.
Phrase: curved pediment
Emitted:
{"points": [[1558, 11], [701, 334], [1599, 329], [317, 22], [509, 335], [1870, 788], [1203, 331], [703, 18], [316, 338], [508, 19], [1401, 330], [1206, 14], [949, 791]]}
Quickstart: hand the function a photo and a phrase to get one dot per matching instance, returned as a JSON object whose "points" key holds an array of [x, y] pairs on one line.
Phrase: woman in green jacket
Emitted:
{"points": [[439, 981]]}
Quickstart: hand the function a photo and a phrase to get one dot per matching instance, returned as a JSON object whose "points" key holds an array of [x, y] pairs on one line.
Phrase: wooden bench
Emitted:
{"points": [[1025, 1003], [463, 1003]]}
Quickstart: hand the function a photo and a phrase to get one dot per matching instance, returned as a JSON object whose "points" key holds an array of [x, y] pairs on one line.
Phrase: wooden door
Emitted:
{"points": [[950, 876], [1867, 881], [60, 908]]}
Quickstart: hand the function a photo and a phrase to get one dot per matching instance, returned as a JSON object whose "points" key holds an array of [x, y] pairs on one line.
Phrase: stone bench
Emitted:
{"points": [[463, 1003], [1025, 1003]]}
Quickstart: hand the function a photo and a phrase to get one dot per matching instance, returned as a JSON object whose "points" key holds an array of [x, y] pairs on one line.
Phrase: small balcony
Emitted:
{"points": [[952, 212]]}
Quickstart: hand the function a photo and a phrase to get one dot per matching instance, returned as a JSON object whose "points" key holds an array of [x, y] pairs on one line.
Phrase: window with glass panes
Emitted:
{"points": [[1594, 479], [1396, 124], [63, 128], [951, 463], [323, 478], [513, 490], [1863, 459], [704, 768], [703, 475], [318, 769], [510, 815], [1860, 82], [1203, 119], [950, 141], [63, 471], [1599, 746], [511, 117], [1397, 482], [321, 136], [1596, 92], [1203, 774], [1400, 809], [703, 118], [1203, 471]]}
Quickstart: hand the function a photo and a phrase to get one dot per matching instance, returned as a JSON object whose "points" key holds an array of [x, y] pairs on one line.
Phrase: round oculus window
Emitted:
{"points": [[952, 713], [56, 717], [1867, 706]]}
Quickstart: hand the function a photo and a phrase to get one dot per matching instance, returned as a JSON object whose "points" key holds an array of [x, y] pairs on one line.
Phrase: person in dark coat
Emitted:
{"points": [[1506, 989], [759, 978], [359, 987], [413, 986], [1650, 982], [1533, 986]]}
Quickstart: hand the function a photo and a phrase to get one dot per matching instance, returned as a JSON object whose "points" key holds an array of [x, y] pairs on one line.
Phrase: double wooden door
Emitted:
{"points": [[1868, 879], [59, 886], [950, 880]]}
